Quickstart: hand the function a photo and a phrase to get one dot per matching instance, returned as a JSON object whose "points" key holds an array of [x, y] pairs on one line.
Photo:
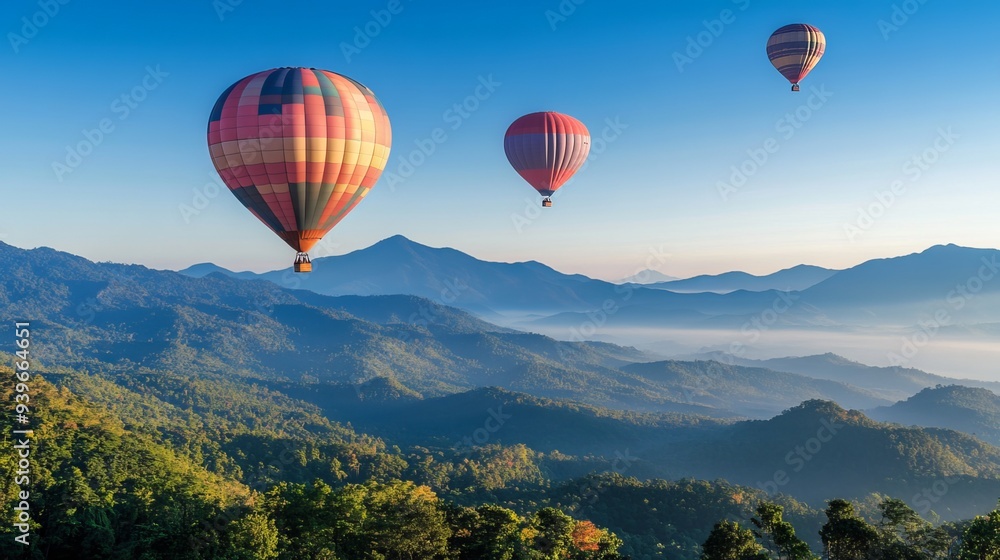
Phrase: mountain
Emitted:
{"points": [[754, 392], [647, 276], [947, 281], [492, 415], [818, 449], [966, 409], [954, 281], [891, 383], [796, 278], [111, 317], [236, 374], [119, 316], [95, 476], [811, 451], [499, 292], [399, 266], [202, 270]]}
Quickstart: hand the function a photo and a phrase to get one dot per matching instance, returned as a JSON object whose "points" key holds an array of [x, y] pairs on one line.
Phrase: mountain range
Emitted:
{"points": [[821, 448], [901, 291], [796, 279], [891, 383], [420, 373]]}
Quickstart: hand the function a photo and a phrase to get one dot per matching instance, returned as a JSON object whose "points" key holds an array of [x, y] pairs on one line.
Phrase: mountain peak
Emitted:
{"points": [[398, 239], [647, 276], [817, 408]]}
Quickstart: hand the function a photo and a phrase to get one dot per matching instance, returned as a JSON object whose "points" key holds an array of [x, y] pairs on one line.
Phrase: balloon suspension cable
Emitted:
{"points": [[302, 262]]}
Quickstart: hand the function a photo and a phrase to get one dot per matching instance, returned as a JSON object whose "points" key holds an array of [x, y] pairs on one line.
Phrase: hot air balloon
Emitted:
{"points": [[795, 50], [300, 148], [546, 149]]}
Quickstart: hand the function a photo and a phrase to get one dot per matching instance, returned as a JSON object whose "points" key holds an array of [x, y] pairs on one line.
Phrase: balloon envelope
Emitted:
{"points": [[546, 149], [299, 147], [795, 50]]}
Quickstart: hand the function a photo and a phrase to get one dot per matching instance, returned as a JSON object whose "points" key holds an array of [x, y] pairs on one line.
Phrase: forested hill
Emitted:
{"points": [[967, 409]]}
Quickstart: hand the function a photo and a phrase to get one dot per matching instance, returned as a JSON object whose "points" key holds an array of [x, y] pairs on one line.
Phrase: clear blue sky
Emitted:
{"points": [[655, 186]]}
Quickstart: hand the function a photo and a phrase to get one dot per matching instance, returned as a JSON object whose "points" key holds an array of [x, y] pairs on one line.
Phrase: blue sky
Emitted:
{"points": [[676, 127]]}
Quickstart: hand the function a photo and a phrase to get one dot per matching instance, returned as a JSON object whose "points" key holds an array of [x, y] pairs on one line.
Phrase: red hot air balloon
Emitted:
{"points": [[795, 50], [300, 148], [546, 149]]}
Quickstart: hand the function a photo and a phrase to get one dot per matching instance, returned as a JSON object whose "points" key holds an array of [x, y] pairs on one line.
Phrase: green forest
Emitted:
{"points": [[202, 470]]}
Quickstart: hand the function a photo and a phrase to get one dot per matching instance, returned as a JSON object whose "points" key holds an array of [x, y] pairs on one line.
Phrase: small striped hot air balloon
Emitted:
{"points": [[546, 149], [795, 50], [300, 148]]}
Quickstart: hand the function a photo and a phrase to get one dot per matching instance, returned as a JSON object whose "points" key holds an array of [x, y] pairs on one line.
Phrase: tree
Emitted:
{"points": [[981, 540], [845, 535], [253, 537], [553, 534], [773, 529], [903, 534], [488, 532], [729, 541], [404, 522]]}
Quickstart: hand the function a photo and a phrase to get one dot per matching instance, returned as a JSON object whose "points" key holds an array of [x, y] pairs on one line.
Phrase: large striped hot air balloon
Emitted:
{"points": [[546, 149], [300, 148], [795, 50]]}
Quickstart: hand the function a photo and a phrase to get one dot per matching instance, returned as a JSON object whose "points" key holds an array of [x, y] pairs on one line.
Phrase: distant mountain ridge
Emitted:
{"points": [[397, 265], [796, 279], [647, 276], [892, 383], [895, 291], [754, 391]]}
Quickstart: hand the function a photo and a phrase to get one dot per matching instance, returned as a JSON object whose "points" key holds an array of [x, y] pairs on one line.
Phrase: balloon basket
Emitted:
{"points": [[795, 87], [547, 203], [302, 263]]}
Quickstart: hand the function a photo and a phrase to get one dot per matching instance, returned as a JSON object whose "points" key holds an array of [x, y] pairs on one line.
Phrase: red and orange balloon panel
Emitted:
{"points": [[546, 149], [299, 148]]}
